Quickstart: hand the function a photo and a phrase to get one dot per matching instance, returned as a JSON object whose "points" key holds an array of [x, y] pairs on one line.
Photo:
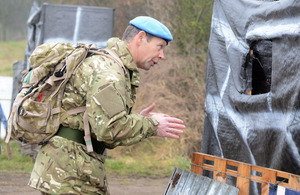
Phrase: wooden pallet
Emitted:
{"points": [[244, 173]]}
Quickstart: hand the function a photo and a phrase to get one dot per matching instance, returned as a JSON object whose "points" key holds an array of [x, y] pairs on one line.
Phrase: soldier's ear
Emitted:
{"points": [[140, 37]]}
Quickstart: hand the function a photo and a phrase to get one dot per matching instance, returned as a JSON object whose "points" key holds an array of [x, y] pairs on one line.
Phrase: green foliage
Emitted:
{"points": [[191, 24]]}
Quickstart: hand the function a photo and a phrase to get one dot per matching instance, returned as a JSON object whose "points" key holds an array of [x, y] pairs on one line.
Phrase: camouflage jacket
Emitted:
{"points": [[109, 92]]}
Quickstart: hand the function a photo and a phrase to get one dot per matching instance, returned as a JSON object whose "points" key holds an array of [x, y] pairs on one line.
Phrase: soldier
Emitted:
{"points": [[63, 165]]}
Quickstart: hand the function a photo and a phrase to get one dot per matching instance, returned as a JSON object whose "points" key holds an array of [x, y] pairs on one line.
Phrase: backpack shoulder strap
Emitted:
{"points": [[110, 54], [87, 133]]}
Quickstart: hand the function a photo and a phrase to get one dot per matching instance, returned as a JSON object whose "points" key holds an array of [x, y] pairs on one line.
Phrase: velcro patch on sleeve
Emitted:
{"points": [[109, 100]]}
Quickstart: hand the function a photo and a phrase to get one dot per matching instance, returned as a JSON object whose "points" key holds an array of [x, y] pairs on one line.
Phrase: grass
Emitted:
{"points": [[125, 165], [148, 166], [11, 52], [18, 163]]}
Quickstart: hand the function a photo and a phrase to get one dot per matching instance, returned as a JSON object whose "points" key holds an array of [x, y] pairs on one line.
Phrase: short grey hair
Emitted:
{"points": [[131, 31]]}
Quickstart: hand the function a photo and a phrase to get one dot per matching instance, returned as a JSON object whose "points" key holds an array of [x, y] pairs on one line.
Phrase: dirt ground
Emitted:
{"points": [[16, 184]]}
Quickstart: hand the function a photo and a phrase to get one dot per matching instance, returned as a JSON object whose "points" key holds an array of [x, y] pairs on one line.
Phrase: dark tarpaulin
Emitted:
{"points": [[252, 105]]}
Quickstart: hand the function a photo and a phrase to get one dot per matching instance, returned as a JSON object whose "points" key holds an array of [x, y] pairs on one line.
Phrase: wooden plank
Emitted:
{"points": [[294, 182], [220, 165], [243, 183], [232, 163], [256, 179], [285, 176], [269, 176], [209, 157], [263, 175], [282, 174], [231, 172], [197, 160], [257, 169], [208, 167]]}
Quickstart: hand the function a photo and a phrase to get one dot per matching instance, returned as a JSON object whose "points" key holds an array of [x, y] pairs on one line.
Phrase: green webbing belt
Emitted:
{"points": [[78, 136]]}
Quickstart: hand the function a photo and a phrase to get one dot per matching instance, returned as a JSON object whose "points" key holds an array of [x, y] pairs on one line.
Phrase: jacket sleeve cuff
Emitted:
{"points": [[153, 126]]}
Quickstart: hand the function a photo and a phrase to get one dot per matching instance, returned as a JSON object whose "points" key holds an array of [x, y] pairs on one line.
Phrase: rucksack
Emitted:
{"points": [[37, 110]]}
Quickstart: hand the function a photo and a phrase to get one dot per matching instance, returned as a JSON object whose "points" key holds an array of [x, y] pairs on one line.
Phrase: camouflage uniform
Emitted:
{"points": [[65, 167]]}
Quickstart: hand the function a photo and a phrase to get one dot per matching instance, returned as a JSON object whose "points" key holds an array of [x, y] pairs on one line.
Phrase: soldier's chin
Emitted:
{"points": [[148, 66]]}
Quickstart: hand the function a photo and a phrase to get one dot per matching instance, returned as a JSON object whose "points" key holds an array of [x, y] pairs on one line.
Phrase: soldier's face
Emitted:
{"points": [[150, 52]]}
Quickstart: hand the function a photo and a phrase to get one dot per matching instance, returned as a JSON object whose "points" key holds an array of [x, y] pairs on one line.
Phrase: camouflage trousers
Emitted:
{"points": [[64, 167]]}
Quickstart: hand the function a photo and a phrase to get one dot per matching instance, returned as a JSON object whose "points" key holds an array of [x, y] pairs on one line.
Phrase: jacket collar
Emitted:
{"points": [[121, 49]]}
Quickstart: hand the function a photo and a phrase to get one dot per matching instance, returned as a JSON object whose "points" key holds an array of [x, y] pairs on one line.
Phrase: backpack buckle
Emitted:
{"points": [[20, 110], [60, 72]]}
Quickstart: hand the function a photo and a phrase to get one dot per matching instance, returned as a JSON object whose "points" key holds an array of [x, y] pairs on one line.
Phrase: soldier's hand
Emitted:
{"points": [[169, 126]]}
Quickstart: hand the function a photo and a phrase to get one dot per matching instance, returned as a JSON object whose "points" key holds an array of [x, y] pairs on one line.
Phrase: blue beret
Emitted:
{"points": [[152, 26]]}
